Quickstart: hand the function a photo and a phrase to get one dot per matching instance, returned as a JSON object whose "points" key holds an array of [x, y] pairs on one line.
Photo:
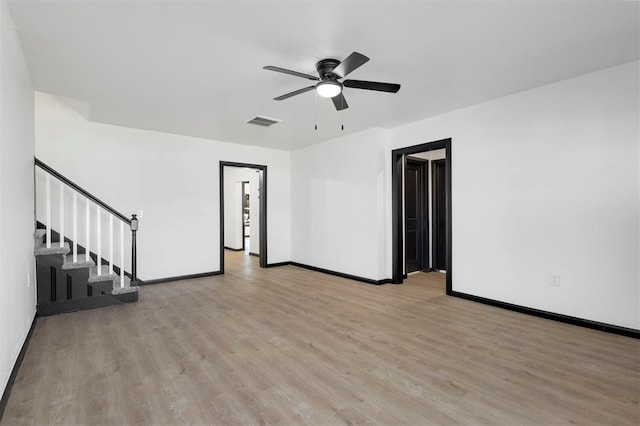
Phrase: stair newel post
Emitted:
{"points": [[134, 254]]}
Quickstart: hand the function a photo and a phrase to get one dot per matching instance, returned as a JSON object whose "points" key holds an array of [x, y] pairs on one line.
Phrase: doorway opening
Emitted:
{"points": [[421, 211], [245, 216], [243, 211], [416, 207]]}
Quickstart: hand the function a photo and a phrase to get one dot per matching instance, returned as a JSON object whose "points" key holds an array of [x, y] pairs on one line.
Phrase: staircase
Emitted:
{"points": [[71, 277]]}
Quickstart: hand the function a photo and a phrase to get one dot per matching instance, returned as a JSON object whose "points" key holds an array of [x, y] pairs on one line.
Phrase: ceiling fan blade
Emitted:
{"points": [[290, 72], [351, 63], [372, 85], [295, 92], [340, 102]]}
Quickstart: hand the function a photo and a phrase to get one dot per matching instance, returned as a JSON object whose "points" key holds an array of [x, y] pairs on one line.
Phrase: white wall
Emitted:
{"points": [[232, 200], [335, 209], [17, 294], [174, 179], [544, 182]]}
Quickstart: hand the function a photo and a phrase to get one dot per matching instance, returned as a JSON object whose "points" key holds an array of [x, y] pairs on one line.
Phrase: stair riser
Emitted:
{"points": [[84, 304]]}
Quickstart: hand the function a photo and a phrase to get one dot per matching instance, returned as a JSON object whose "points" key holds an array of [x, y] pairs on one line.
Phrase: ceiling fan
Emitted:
{"points": [[329, 72]]}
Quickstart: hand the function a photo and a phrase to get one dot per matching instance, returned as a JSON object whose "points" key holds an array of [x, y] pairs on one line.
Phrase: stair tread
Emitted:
{"points": [[128, 288], [81, 263], [42, 250], [105, 274]]}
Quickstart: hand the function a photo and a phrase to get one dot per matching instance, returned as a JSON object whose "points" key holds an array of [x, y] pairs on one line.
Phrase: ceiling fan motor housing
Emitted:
{"points": [[325, 69]]}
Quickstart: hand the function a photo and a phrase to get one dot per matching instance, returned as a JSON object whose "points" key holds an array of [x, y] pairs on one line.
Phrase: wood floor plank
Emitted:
{"points": [[291, 346]]}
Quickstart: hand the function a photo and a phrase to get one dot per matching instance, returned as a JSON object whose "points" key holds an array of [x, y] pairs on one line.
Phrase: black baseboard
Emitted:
{"points": [[341, 275], [254, 254], [273, 265], [609, 328], [86, 303], [181, 277], [16, 367], [232, 249]]}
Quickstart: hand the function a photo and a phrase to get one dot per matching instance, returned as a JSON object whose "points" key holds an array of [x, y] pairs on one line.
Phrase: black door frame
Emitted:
{"points": [[424, 232], [397, 176], [434, 252], [262, 185]]}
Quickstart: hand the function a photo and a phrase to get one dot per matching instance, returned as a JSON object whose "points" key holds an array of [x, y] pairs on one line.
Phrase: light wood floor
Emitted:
{"points": [[287, 346]]}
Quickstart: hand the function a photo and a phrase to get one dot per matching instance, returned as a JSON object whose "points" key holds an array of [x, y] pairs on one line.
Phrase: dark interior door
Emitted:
{"points": [[415, 215], [439, 213]]}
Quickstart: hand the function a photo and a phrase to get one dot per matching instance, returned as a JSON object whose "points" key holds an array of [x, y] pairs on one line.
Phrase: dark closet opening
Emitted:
{"points": [[416, 183]]}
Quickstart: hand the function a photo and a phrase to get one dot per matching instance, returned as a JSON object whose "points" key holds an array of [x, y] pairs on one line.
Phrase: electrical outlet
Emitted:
{"points": [[140, 213], [554, 280]]}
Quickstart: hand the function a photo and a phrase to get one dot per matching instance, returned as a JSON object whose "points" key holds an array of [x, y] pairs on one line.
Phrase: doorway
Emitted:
{"points": [[245, 216], [402, 161], [234, 225], [415, 214]]}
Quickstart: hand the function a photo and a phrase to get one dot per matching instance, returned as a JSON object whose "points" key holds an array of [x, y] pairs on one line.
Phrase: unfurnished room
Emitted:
{"points": [[319, 212]]}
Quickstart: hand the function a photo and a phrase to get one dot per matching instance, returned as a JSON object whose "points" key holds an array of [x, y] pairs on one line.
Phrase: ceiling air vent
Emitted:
{"points": [[263, 121]]}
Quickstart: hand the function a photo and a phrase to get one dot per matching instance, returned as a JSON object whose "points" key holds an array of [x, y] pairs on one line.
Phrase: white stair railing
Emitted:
{"points": [[46, 173]]}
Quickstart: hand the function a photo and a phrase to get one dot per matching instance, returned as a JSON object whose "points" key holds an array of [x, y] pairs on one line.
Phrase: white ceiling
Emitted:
{"points": [[195, 68]]}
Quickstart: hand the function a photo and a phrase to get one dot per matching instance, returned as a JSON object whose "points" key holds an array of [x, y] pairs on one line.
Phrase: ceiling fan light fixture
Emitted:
{"points": [[329, 89]]}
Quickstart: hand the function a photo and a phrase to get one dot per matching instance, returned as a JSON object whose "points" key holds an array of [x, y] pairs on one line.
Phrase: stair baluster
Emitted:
{"points": [[48, 201], [122, 254], [99, 242], [75, 227], [61, 214], [111, 244], [87, 249]]}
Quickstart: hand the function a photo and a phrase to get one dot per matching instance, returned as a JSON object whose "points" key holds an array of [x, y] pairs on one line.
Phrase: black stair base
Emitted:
{"points": [[83, 304]]}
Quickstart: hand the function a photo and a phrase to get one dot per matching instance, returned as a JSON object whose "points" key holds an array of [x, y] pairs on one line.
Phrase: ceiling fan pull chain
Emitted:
{"points": [[316, 111], [342, 113]]}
